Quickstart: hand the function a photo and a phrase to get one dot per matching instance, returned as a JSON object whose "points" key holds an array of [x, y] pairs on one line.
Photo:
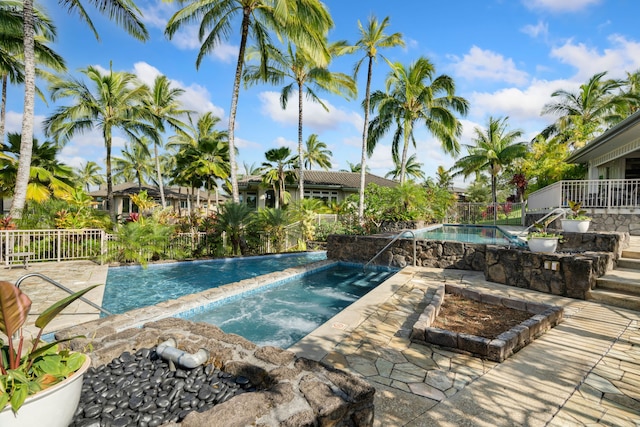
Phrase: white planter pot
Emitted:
{"points": [[575, 225], [543, 244], [53, 407]]}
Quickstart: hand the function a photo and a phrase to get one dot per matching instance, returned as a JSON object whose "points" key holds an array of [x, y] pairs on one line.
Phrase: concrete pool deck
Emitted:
{"points": [[586, 371]]}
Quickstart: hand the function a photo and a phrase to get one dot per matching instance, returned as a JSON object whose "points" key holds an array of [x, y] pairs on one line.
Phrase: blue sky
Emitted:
{"points": [[506, 57]]}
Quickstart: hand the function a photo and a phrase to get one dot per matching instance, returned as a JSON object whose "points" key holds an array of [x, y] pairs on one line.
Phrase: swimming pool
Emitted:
{"points": [[483, 234], [282, 313], [132, 287]]}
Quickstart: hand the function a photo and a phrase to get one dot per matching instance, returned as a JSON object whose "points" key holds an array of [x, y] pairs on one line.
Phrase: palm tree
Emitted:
{"points": [[317, 153], [354, 168], [588, 112], [410, 99], [47, 176], [444, 178], [278, 170], [89, 173], [11, 48], [305, 22], [274, 222], [125, 13], [307, 76], [164, 108], [413, 169], [114, 103], [135, 163], [495, 147], [372, 38], [234, 218]]}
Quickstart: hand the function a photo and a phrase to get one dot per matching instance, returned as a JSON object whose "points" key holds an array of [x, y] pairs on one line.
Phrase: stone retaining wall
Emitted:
{"points": [[570, 275], [602, 222], [292, 391], [582, 258]]}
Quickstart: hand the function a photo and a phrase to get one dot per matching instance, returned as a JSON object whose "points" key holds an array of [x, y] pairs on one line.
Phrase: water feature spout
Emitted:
{"points": [[167, 350]]}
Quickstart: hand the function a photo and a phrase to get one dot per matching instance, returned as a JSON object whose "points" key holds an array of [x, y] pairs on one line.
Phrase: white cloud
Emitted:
{"points": [[560, 5], [623, 55], [195, 97], [487, 65], [156, 14], [381, 158], [187, 39], [535, 31], [519, 104], [314, 116]]}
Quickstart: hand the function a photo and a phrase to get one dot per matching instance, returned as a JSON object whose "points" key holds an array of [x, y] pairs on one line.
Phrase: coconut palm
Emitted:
{"points": [[124, 12], [134, 163], [413, 169], [587, 112], [164, 108], [278, 170], [114, 102], [89, 173], [372, 38], [354, 167], [413, 96], [11, 47], [317, 153], [307, 76], [305, 22], [495, 148]]}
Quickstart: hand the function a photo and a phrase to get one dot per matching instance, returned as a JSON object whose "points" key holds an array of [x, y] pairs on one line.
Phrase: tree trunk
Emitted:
{"points": [[494, 197], [235, 194], [405, 148], [26, 144], [365, 133], [300, 150], [110, 201], [159, 173], [3, 107]]}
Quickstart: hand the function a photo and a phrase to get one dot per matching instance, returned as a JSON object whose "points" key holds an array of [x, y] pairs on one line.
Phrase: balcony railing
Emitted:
{"points": [[617, 194]]}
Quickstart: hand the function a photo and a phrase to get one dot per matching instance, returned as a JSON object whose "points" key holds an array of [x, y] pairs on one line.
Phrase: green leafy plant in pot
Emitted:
{"points": [[577, 220], [27, 368], [542, 240]]}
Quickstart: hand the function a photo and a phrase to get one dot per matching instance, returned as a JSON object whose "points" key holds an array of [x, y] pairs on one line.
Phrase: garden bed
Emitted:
{"points": [[507, 334]]}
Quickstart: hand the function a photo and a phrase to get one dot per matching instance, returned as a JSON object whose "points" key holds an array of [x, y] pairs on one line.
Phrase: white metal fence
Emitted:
{"points": [[595, 194]]}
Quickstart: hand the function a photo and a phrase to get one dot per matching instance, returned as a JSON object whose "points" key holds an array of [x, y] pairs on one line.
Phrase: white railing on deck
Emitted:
{"points": [[592, 194]]}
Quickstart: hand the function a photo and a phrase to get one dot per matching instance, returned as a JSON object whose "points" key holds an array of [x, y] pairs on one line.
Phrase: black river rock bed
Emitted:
{"points": [[142, 390]]}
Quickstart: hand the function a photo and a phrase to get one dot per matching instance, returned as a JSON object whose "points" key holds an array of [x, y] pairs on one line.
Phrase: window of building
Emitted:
{"points": [[326, 196], [126, 205], [252, 200]]}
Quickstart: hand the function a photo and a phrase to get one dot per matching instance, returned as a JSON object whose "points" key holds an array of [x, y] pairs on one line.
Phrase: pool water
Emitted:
{"points": [[132, 287], [281, 315], [488, 235]]}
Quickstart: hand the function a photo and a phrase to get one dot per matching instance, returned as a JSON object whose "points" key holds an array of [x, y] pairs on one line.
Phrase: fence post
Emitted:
{"points": [[59, 249], [103, 245]]}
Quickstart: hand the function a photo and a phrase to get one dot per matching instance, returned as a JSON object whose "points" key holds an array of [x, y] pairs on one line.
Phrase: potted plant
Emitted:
{"points": [[577, 221], [542, 240], [39, 382]]}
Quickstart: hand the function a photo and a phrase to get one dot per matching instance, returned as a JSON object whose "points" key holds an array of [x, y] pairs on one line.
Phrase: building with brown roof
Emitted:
{"points": [[329, 186]]}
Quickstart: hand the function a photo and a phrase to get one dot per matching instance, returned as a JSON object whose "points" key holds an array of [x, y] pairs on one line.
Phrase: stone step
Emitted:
{"points": [[629, 263], [615, 298], [621, 279], [631, 253]]}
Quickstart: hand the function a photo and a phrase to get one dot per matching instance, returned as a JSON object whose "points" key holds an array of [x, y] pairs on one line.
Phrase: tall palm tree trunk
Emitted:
{"points": [[159, 173], [235, 194], [365, 134], [26, 144], [3, 107], [300, 151], [110, 200], [494, 197], [405, 148]]}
